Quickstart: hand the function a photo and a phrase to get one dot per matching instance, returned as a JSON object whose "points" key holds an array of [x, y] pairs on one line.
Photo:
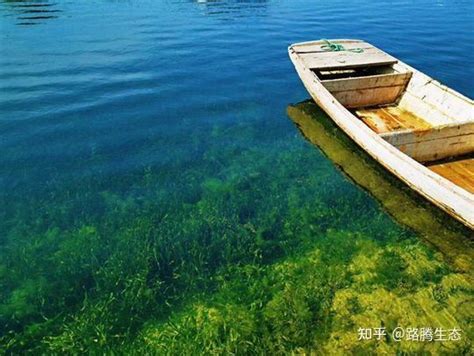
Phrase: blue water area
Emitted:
{"points": [[155, 195]]}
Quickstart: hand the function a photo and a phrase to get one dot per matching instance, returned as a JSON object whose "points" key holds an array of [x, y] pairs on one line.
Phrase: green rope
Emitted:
{"points": [[336, 47]]}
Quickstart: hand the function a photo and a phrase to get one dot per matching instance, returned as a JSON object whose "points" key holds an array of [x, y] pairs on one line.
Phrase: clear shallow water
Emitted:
{"points": [[147, 158]]}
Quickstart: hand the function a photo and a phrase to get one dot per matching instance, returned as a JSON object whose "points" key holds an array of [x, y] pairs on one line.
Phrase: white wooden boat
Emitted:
{"points": [[418, 129]]}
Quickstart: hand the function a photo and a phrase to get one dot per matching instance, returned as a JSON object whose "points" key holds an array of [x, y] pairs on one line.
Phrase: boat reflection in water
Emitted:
{"points": [[435, 227]]}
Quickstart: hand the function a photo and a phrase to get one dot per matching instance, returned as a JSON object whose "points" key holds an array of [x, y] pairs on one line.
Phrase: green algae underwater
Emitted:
{"points": [[286, 257]]}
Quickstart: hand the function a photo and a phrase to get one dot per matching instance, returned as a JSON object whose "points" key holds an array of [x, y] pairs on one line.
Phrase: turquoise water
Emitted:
{"points": [[156, 197]]}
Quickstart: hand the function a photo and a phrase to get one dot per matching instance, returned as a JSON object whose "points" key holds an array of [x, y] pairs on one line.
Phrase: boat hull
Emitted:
{"points": [[454, 200]]}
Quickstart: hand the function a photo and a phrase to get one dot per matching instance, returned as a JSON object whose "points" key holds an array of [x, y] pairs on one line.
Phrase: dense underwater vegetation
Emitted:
{"points": [[288, 257], [156, 198]]}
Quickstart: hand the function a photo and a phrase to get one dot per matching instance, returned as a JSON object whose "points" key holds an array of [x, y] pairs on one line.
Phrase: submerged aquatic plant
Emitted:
{"points": [[304, 305], [270, 252]]}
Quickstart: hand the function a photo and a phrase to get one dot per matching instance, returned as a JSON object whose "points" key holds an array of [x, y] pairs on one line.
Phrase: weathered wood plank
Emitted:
{"points": [[434, 144], [407, 119], [377, 123], [459, 172], [433, 150], [430, 132], [388, 119], [369, 97], [371, 81], [346, 59]]}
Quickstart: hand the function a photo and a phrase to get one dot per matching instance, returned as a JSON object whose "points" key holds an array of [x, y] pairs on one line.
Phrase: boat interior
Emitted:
{"points": [[424, 119]]}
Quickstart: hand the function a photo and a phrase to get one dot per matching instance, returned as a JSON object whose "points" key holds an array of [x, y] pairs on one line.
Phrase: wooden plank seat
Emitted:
{"points": [[364, 91]]}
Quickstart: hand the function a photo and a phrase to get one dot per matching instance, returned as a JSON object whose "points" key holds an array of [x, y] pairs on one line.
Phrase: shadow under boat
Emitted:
{"points": [[435, 227]]}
